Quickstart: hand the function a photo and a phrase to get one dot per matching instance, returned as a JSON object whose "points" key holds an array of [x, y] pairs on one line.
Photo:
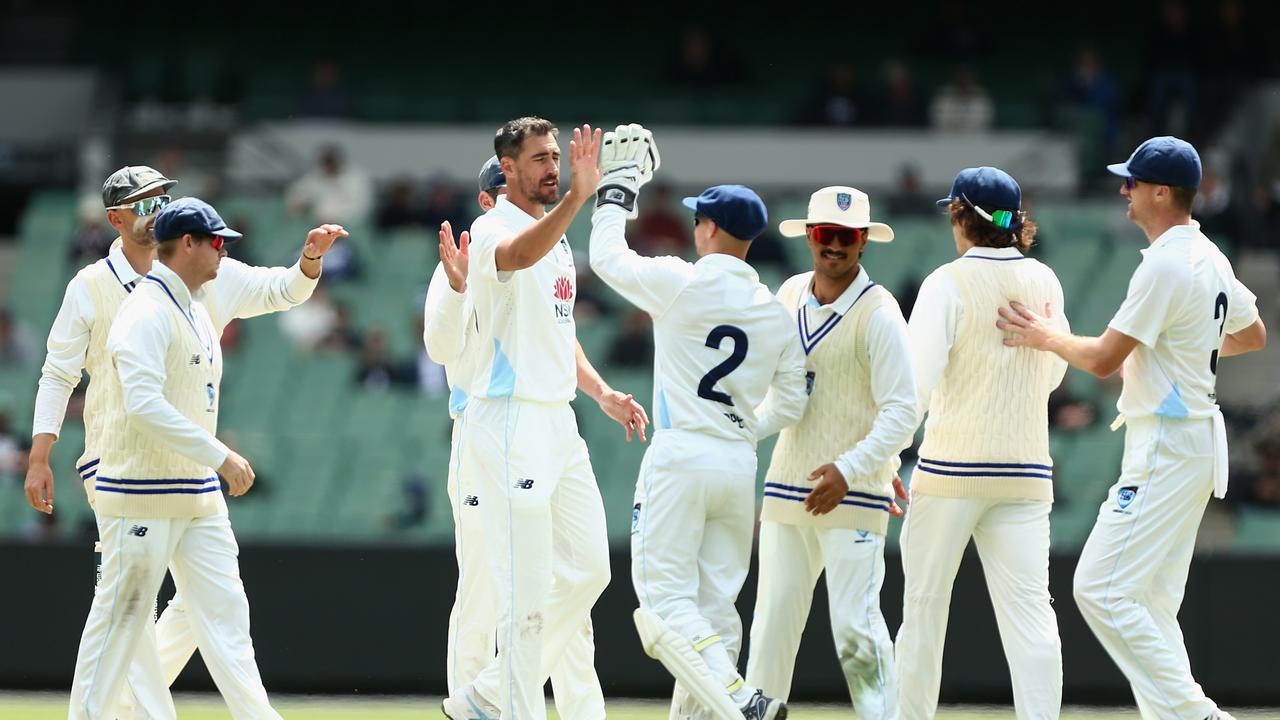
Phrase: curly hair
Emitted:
{"points": [[982, 233]]}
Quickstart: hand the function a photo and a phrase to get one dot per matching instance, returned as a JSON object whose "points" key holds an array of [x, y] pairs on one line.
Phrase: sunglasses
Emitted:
{"points": [[697, 219], [828, 234], [217, 242], [145, 206], [1131, 182]]}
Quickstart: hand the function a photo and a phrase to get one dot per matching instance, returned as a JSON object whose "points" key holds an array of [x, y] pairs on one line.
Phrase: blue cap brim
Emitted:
{"points": [[228, 234], [944, 202], [1121, 169], [691, 203]]}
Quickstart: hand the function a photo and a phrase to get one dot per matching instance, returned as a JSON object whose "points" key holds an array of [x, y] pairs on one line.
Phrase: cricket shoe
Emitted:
{"points": [[464, 704], [761, 707]]}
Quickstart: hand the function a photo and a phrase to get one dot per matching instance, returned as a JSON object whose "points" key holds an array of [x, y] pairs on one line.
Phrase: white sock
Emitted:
{"points": [[722, 669]]}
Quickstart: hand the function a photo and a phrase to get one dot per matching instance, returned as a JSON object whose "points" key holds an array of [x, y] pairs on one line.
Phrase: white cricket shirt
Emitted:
{"points": [[525, 329], [448, 332], [1183, 299], [721, 339]]}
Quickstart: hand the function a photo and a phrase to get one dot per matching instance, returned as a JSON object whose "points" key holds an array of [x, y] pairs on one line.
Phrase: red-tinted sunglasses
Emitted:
{"points": [[828, 234], [217, 242]]}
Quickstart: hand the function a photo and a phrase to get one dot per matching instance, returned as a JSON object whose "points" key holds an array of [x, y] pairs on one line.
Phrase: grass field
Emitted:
{"points": [[48, 706]]}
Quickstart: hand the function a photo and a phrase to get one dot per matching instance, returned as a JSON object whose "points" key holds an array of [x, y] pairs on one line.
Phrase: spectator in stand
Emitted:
{"points": [[963, 105], [309, 323], [377, 371], [1172, 56], [399, 209], [326, 98], [342, 336], [1092, 88], [93, 236], [16, 348], [701, 62], [1235, 56], [839, 100], [659, 230], [898, 105], [1067, 411], [334, 190], [908, 198], [633, 346], [444, 202], [13, 463]]}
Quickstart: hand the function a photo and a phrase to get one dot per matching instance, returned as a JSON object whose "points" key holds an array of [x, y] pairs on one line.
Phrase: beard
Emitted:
{"points": [[142, 233], [542, 194]]}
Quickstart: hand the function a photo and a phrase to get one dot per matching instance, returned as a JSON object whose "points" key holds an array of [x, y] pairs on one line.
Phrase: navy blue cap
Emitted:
{"points": [[190, 215], [986, 186], [736, 208], [491, 175], [1164, 160]]}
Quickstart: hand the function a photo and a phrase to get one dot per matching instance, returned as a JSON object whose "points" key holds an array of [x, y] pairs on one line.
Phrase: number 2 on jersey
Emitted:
{"points": [[1219, 312], [718, 334]]}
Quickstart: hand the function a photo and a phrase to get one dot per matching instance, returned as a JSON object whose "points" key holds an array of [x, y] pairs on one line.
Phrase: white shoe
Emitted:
{"points": [[464, 704]]}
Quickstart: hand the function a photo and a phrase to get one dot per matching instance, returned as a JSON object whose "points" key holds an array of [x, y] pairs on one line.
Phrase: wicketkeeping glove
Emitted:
{"points": [[628, 159]]}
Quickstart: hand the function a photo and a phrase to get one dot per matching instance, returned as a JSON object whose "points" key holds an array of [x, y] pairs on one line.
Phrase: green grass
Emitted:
{"points": [[48, 706]]}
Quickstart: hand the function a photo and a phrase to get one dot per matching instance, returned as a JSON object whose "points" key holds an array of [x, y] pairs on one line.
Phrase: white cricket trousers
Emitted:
{"points": [[791, 559], [1012, 537], [548, 548], [691, 531], [473, 619], [1133, 569], [174, 639], [201, 554]]}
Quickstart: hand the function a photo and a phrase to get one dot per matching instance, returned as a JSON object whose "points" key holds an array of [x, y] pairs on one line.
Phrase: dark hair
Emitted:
{"points": [[1183, 197], [983, 233], [492, 193], [510, 137]]}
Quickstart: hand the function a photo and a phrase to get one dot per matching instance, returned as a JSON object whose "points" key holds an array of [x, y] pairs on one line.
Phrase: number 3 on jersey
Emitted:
{"points": [[717, 336], [1219, 313]]}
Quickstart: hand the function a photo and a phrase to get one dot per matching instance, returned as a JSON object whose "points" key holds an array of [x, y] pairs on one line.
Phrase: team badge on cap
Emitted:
{"points": [[843, 201]]}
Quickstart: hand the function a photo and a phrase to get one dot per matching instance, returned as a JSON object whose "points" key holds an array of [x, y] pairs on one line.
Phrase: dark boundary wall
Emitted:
{"points": [[374, 620]]}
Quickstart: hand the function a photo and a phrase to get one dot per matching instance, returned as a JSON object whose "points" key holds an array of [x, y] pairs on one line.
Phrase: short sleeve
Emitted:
{"points": [[1154, 294], [1242, 310], [486, 234]]}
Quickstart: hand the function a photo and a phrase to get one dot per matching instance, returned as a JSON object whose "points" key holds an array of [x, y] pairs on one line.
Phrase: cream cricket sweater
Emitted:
{"points": [[840, 414], [107, 293], [169, 369], [987, 433]]}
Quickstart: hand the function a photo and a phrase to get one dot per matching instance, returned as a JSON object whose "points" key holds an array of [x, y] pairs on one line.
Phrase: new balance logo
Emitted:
{"points": [[615, 195], [195, 359], [471, 500], [138, 530], [525, 483]]}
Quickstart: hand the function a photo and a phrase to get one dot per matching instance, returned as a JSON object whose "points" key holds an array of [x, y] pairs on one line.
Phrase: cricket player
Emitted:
{"points": [[721, 340], [984, 470], [1184, 311], [830, 486], [448, 333], [157, 498], [541, 509], [77, 341]]}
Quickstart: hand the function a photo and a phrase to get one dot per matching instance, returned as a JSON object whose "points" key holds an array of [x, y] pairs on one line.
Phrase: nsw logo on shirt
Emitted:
{"points": [[562, 291]]}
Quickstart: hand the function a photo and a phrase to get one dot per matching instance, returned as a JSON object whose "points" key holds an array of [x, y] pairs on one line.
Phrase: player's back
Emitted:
{"points": [[1183, 299], [716, 350]]}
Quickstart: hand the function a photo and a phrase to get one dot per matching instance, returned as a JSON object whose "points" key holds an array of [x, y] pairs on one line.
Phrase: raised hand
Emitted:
{"points": [[320, 239], [584, 155], [628, 159], [454, 258]]}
